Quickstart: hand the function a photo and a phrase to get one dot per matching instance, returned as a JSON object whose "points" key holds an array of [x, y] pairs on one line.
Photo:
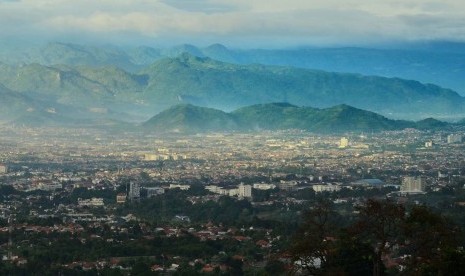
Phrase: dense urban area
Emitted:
{"points": [[88, 201]]}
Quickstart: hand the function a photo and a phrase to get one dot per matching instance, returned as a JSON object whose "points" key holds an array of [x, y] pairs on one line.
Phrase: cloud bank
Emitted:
{"points": [[241, 22]]}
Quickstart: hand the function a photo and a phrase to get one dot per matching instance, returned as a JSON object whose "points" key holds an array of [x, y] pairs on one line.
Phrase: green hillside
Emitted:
{"points": [[12, 104], [188, 79], [189, 118], [441, 63], [430, 123], [227, 86], [276, 116], [75, 54], [339, 118]]}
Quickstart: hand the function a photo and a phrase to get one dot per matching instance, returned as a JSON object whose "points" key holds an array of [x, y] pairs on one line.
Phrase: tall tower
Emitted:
{"points": [[245, 191], [344, 143], [134, 190]]}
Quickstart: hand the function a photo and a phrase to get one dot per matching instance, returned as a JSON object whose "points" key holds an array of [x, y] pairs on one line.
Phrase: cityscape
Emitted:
{"points": [[232, 138], [232, 201]]}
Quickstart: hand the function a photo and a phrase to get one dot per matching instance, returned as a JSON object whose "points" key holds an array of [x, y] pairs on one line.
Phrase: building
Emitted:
{"points": [[325, 188], [287, 185], [93, 202], [150, 157], [232, 192], [134, 190], [244, 191], [121, 198], [264, 186], [3, 168], [48, 185], [180, 186], [413, 185], [344, 143], [454, 138], [213, 188], [182, 218], [368, 182], [154, 191], [218, 190], [442, 175], [428, 144]]}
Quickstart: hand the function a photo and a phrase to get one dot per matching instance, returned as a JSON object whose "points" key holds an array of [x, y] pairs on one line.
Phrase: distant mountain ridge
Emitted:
{"points": [[441, 63], [229, 86], [278, 116], [109, 92]]}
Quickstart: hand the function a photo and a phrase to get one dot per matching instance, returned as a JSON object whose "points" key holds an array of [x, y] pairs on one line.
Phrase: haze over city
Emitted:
{"points": [[215, 137]]}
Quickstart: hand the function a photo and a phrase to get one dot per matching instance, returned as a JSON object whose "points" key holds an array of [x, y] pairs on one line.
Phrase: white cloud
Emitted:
{"points": [[295, 21]]}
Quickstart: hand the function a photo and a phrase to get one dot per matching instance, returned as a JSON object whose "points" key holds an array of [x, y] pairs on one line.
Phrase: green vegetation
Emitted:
{"points": [[84, 91], [212, 83], [278, 116], [189, 118], [382, 232], [437, 63], [315, 238]]}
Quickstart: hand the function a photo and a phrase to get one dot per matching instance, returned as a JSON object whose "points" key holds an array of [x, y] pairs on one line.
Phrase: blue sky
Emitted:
{"points": [[236, 22]]}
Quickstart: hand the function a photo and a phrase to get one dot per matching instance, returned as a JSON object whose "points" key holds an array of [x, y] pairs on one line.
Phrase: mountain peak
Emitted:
{"points": [[188, 57], [282, 104], [191, 119], [430, 123], [345, 109], [177, 50], [217, 47]]}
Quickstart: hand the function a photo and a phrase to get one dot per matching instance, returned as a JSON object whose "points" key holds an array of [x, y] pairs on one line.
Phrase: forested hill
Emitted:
{"points": [[109, 92], [278, 116]]}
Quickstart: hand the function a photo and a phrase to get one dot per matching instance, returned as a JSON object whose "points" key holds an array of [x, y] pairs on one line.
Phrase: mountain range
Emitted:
{"points": [[441, 63], [109, 92], [188, 118]]}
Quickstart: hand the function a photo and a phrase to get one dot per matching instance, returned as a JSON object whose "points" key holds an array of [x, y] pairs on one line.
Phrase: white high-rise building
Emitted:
{"points": [[344, 143], [454, 138], [3, 168], [134, 190], [244, 190], [412, 185]]}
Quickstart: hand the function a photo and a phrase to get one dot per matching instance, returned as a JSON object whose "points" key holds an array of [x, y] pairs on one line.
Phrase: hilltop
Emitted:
{"points": [[274, 116], [188, 118]]}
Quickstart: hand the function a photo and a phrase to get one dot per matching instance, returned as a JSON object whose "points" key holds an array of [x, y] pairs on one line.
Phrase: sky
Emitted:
{"points": [[234, 22]]}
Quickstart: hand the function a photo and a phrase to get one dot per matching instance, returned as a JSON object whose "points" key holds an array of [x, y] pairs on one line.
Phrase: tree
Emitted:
{"points": [[452, 263], [434, 245], [351, 256], [275, 267], [430, 242], [141, 267], [313, 243], [379, 224]]}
